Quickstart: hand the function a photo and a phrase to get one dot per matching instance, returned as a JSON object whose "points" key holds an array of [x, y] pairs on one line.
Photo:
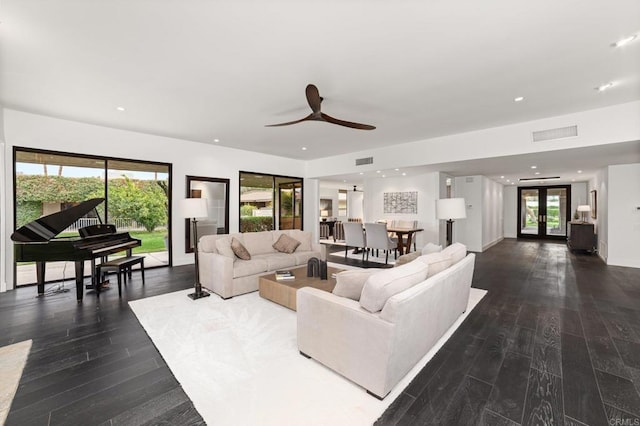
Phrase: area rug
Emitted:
{"points": [[238, 361], [12, 361]]}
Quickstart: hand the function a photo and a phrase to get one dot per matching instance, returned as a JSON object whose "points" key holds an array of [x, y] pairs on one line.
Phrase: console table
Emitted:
{"points": [[581, 236]]}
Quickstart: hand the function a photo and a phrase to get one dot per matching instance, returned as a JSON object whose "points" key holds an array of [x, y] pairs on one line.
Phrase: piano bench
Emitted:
{"points": [[122, 266]]}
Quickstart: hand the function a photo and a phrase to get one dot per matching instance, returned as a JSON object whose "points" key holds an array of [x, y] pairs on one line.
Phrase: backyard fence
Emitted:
{"points": [[121, 224]]}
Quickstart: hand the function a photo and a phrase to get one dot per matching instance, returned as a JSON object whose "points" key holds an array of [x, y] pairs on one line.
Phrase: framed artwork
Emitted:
{"points": [[401, 202], [594, 204]]}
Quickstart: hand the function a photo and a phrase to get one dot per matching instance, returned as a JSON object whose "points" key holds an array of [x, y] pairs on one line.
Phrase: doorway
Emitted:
{"points": [[543, 211]]}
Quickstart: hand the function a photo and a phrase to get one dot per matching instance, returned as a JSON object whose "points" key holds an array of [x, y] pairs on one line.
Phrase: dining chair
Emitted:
{"points": [[354, 237], [378, 239], [338, 231]]}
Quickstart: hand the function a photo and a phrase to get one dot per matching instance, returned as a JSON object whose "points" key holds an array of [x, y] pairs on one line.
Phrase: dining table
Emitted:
{"points": [[404, 246]]}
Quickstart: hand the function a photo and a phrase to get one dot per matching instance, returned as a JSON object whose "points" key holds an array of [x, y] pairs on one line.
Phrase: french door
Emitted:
{"points": [[543, 211]]}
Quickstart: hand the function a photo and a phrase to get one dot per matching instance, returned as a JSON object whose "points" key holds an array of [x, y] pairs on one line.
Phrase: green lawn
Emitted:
{"points": [[151, 241]]}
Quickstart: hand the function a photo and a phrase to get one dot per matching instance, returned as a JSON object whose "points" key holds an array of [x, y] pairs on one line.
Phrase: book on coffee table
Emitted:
{"points": [[284, 275]]}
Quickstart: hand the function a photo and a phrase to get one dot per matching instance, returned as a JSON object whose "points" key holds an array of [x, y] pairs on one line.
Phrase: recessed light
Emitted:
{"points": [[573, 180], [344, 180], [397, 170], [120, 108], [624, 41], [534, 167], [304, 148], [579, 171], [513, 183], [537, 173], [501, 177], [404, 174], [519, 99], [384, 175], [361, 173], [216, 140], [377, 171], [604, 87]]}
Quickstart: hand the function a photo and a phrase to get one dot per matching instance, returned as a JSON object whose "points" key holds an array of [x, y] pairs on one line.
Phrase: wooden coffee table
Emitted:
{"points": [[283, 292]]}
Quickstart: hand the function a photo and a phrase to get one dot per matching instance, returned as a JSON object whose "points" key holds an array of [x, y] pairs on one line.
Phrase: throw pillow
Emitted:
{"points": [[286, 244], [380, 286], [239, 250], [437, 262], [456, 251], [431, 248], [223, 245], [349, 283], [406, 258]]}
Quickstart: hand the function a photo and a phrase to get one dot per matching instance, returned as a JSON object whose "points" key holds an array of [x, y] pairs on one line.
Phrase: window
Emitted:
{"points": [[342, 202], [136, 196], [270, 202]]}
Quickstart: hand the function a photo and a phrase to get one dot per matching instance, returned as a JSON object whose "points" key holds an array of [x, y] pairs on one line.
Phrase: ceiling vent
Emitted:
{"points": [[468, 179], [552, 134], [364, 161], [540, 178]]}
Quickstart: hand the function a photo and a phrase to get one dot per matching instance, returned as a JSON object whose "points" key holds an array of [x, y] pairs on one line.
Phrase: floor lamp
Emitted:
{"points": [[192, 209], [449, 209]]}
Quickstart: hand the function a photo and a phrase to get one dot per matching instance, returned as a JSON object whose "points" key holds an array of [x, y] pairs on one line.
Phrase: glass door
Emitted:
{"points": [[542, 211]]}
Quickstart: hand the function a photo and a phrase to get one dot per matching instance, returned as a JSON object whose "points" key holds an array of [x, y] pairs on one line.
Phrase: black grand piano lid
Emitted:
{"points": [[47, 227]]}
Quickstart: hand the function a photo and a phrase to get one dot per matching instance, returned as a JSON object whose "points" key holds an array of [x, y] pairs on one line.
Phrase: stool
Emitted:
{"points": [[122, 266]]}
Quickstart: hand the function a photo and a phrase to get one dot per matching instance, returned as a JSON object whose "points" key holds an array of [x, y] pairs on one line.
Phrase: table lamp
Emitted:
{"points": [[584, 209], [193, 208], [324, 214], [449, 209]]}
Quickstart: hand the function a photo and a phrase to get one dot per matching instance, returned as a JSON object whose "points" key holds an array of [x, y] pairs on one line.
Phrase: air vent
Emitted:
{"points": [[468, 180], [552, 134], [363, 161]]}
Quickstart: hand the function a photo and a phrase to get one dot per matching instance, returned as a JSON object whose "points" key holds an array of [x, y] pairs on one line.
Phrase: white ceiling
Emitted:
{"points": [[205, 70]]}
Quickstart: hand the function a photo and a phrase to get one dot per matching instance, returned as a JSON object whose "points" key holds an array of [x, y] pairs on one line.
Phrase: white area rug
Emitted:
{"points": [[12, 361], [239, 363]]}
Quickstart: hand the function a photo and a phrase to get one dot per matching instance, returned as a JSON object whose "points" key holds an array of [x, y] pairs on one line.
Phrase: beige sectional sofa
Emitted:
{"points": [[401, 313], [227, 275]]}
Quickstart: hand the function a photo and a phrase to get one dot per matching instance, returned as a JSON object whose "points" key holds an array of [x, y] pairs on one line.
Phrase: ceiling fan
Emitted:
{"points": [[314, 100]]}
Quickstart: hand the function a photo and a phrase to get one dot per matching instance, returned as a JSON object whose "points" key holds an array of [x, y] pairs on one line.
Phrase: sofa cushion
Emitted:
{"points": [[207, 244], [239, 249], [286, 244], [457, 252], [243, 268], [277, 260], [349, 283], [303, 257], [259, 242], [437, 262], [223, 245], [382, 285], [431, 248]]}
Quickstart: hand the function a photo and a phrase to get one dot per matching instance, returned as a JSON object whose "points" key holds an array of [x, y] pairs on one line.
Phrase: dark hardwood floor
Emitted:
{"points": [[555, 341], [92, 363]]}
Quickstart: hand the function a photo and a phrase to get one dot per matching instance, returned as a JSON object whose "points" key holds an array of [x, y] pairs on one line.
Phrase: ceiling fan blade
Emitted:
{"points": [[313, 97], [308, 117], [358, 126]]}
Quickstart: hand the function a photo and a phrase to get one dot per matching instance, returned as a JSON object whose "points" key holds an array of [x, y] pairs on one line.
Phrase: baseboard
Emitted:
{"points": [[491, 244]]}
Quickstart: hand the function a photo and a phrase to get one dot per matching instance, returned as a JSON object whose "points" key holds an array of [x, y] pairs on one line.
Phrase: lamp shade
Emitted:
{"points": [[584, 208], [324, 213], [194, 207], [451, 208]]}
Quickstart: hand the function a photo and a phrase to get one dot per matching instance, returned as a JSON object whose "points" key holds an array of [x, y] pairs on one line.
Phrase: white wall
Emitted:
{"points": [[600, 183], [469, 231], [427, 187], [3, 207], [623, 215], [510, 209], [492, 213], [188, 158]]}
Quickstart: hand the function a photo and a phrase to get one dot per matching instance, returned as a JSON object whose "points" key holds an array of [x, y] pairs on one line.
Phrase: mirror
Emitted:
{"points": [[216, 191]]}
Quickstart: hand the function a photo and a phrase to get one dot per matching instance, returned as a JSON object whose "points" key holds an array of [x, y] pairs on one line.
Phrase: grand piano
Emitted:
{"points": [[35, 242]]}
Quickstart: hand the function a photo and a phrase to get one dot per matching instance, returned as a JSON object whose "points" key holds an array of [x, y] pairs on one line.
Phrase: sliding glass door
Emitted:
{"points": [[136, 197], [269, 202], [543, 211]]}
